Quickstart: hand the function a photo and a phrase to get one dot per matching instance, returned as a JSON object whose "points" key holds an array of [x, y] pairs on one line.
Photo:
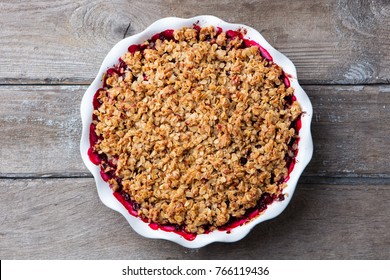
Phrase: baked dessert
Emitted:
{"points": [[195, 130]]}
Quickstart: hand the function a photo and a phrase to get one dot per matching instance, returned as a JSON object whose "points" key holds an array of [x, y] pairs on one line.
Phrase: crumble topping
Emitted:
{"points": [[194, 127]]}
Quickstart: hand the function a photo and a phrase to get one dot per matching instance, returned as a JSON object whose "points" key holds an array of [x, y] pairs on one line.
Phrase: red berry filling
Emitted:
{"points": [[108, 168]]}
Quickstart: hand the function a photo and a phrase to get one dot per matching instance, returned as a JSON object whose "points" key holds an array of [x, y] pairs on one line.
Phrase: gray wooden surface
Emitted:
{"points": [[51, 51]]}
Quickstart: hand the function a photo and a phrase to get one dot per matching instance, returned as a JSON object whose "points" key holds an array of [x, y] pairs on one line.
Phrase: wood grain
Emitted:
{"points": [[40, 129], [350, 131], [41, 126], [331, 42], [318, 224]]}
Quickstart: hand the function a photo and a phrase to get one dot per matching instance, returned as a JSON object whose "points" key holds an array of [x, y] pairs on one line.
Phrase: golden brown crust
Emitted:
{"points": [[198, 128]]}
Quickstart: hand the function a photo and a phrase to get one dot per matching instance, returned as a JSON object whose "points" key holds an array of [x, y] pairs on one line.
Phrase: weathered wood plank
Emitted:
{"points": [[331, 42], [350, 131], [322, 222], [40, 131]]}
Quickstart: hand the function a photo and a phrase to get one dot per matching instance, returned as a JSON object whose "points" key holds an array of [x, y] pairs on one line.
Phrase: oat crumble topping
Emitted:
{"points": [[195, 128]]}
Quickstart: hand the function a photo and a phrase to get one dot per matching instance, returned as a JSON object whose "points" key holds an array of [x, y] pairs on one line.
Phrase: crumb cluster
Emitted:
{"points": [[195, 128]]}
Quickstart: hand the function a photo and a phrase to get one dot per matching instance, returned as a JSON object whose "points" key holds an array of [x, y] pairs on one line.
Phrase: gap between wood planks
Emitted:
{"points": [[306, 180]]}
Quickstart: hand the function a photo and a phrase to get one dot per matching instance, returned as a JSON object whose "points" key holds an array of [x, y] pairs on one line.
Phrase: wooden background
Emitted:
{"points": [[51, 50]]}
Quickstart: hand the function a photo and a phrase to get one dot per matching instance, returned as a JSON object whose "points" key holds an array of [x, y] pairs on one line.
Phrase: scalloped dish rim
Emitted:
{"points": [[305, 144]]}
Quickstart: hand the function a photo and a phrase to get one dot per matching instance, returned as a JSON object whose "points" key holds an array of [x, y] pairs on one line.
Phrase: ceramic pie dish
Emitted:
{"points": [[234, 230]]}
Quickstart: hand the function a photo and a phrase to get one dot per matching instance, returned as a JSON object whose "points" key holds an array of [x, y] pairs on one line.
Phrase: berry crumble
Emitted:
{"points": [[195, 129]]}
